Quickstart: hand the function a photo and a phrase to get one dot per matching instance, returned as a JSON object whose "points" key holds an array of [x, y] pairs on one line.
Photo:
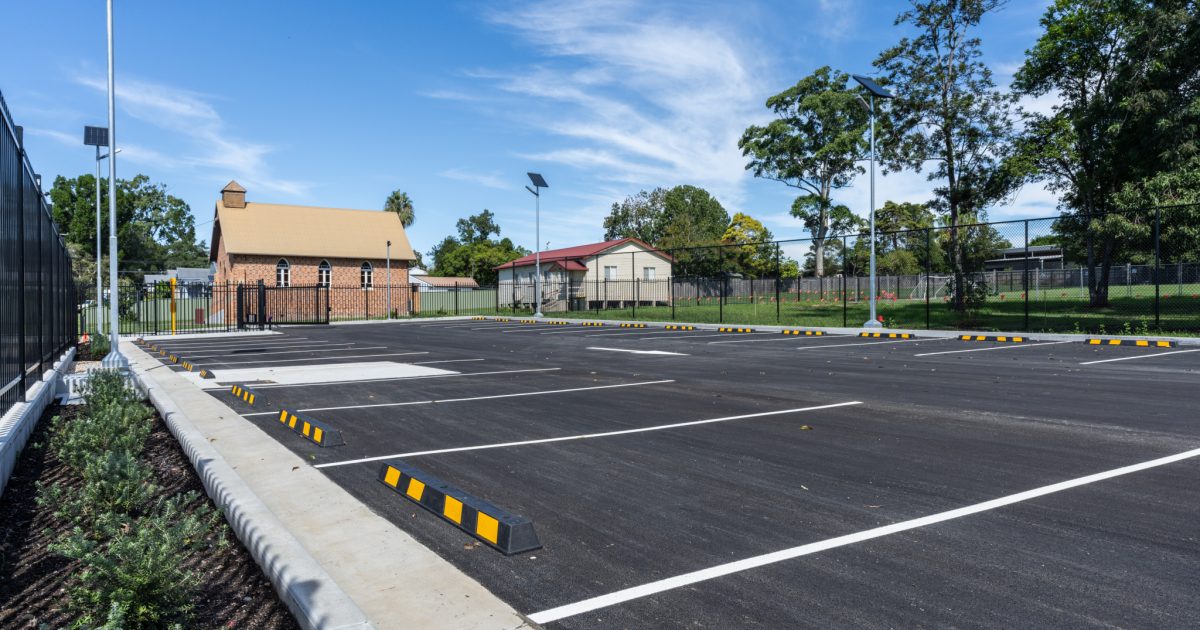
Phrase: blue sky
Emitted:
{"points": [[337, 104]]}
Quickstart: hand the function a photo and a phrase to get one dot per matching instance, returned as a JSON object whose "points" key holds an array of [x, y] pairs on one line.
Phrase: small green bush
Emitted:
{"points": [[135, 564], [116, 482], [114, 426]]}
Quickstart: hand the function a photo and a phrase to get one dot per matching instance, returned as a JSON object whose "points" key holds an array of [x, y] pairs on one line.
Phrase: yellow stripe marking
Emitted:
{"points": [[292, 422], [453, 510], [251, 399], [283, 416], [306, 429], [317, 432], [488, 528], [391, 477], [415, 489]]}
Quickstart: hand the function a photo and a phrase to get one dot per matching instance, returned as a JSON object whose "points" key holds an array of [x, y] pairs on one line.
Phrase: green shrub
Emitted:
{"points": [[114, 426], [136, 564], [116, 482], [104, 386], [99, 344]]}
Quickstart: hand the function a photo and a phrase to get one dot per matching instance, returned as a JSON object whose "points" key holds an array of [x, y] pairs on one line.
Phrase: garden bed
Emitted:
{"points": [[40, 588]]}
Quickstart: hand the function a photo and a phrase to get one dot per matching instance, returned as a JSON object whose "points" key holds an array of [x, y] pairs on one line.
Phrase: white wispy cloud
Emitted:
{"points": [[489, 180], [60, 137], [191, 116], [638, 96]]}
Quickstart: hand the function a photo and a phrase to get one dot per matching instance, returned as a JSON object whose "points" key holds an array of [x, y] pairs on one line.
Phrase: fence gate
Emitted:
{"points": [[260, 306]]}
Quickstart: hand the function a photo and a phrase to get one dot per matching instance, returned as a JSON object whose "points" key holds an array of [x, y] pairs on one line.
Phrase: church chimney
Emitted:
{"points": [[233, 195]]}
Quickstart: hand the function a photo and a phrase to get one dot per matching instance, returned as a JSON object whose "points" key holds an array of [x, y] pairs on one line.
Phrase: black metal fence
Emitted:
{"points": [[37, 294], [1142, 275], [1117, 273]]}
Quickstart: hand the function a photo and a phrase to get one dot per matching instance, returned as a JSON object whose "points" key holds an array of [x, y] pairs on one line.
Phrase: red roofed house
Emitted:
{"points": [[613, 273]]}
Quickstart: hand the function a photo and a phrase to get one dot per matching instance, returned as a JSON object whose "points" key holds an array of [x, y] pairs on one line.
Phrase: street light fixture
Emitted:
{"points": [[876, 91], [114, 360], [97, 137], [539, 183]]}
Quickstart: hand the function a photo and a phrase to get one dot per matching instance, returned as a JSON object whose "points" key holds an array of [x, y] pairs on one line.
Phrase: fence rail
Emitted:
{"points": [[1026, 275], [37, 294]]}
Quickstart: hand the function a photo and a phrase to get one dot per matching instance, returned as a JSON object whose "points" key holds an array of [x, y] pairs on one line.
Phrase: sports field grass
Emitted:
{"points": [[1060, 313]]}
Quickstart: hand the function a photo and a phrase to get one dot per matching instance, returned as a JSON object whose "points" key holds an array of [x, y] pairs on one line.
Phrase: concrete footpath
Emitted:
{"points": [[349, 563]]}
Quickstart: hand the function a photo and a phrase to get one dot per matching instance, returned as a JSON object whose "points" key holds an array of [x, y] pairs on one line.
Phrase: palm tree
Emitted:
{"points": [[399, 203]]}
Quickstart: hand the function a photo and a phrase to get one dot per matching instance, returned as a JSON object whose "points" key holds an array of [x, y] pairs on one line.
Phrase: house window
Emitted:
{"points": [[647, 273], [283, 273], [366, 275], [323, 273], [610, 273]]}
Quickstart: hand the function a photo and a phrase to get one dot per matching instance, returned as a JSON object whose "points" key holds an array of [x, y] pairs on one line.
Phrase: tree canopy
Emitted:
{"points": [[402, 205], [155, 230], [813, 144], [474, 253], [948, 112]]}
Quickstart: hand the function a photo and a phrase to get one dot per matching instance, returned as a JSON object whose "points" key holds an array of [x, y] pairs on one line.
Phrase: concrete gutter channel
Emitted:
{"points": [[916, 332], [334, 562]]}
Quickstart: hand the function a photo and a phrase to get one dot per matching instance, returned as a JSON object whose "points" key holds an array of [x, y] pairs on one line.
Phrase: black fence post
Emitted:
{"points": [[778, 279], [928, 270], [456, 297], [845, 301], [41, 317], [671, 286], [1157, 261], [262, 305], [1025, 277]]}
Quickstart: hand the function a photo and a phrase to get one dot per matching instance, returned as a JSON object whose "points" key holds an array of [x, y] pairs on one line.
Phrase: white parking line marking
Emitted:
{"points": [[447, 361], [868, 343], [502, 325], [678, 336], [1008, 347], [686, 579], [406, 378], [588, 436], [235, 355], [253, 341], [1140, 356], [585, 329], [783, 338], [453, 400], [661, 352], [359, 356]]}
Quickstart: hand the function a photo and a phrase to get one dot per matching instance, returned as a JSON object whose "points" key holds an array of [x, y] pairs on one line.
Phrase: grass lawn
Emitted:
{"points": [[1004, 312]]}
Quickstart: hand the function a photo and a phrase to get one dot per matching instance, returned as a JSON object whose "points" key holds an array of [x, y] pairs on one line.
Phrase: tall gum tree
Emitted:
{"points": [[812, 145], [947, 112]]}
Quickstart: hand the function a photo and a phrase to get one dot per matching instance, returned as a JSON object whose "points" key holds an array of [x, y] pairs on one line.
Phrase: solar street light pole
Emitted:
{"points": [[389, 280], [875, 90], [114, 359], [539, 183]]}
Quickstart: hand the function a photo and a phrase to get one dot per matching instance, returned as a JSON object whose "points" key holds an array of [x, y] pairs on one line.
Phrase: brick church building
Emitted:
{"points": [[345, 251]]}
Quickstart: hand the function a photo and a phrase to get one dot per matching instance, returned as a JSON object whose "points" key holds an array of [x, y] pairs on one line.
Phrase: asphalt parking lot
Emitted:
{"points": [[707, 479]]}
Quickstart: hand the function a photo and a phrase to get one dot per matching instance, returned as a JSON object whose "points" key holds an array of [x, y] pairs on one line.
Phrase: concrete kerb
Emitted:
{"points": [[312, 596], [915, 332], [329, 579], [18, 422], [829, 330]]}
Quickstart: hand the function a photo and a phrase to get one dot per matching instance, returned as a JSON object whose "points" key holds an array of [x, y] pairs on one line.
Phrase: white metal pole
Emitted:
{"points": [[872, 322], [114, 358], [98, 308], [537, 281]]}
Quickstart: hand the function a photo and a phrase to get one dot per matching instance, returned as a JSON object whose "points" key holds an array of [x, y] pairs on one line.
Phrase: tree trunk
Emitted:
{"points": [[820, 251]]}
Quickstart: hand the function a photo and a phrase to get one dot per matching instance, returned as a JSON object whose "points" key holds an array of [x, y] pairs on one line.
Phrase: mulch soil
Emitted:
{"points": [[34, 582]]}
